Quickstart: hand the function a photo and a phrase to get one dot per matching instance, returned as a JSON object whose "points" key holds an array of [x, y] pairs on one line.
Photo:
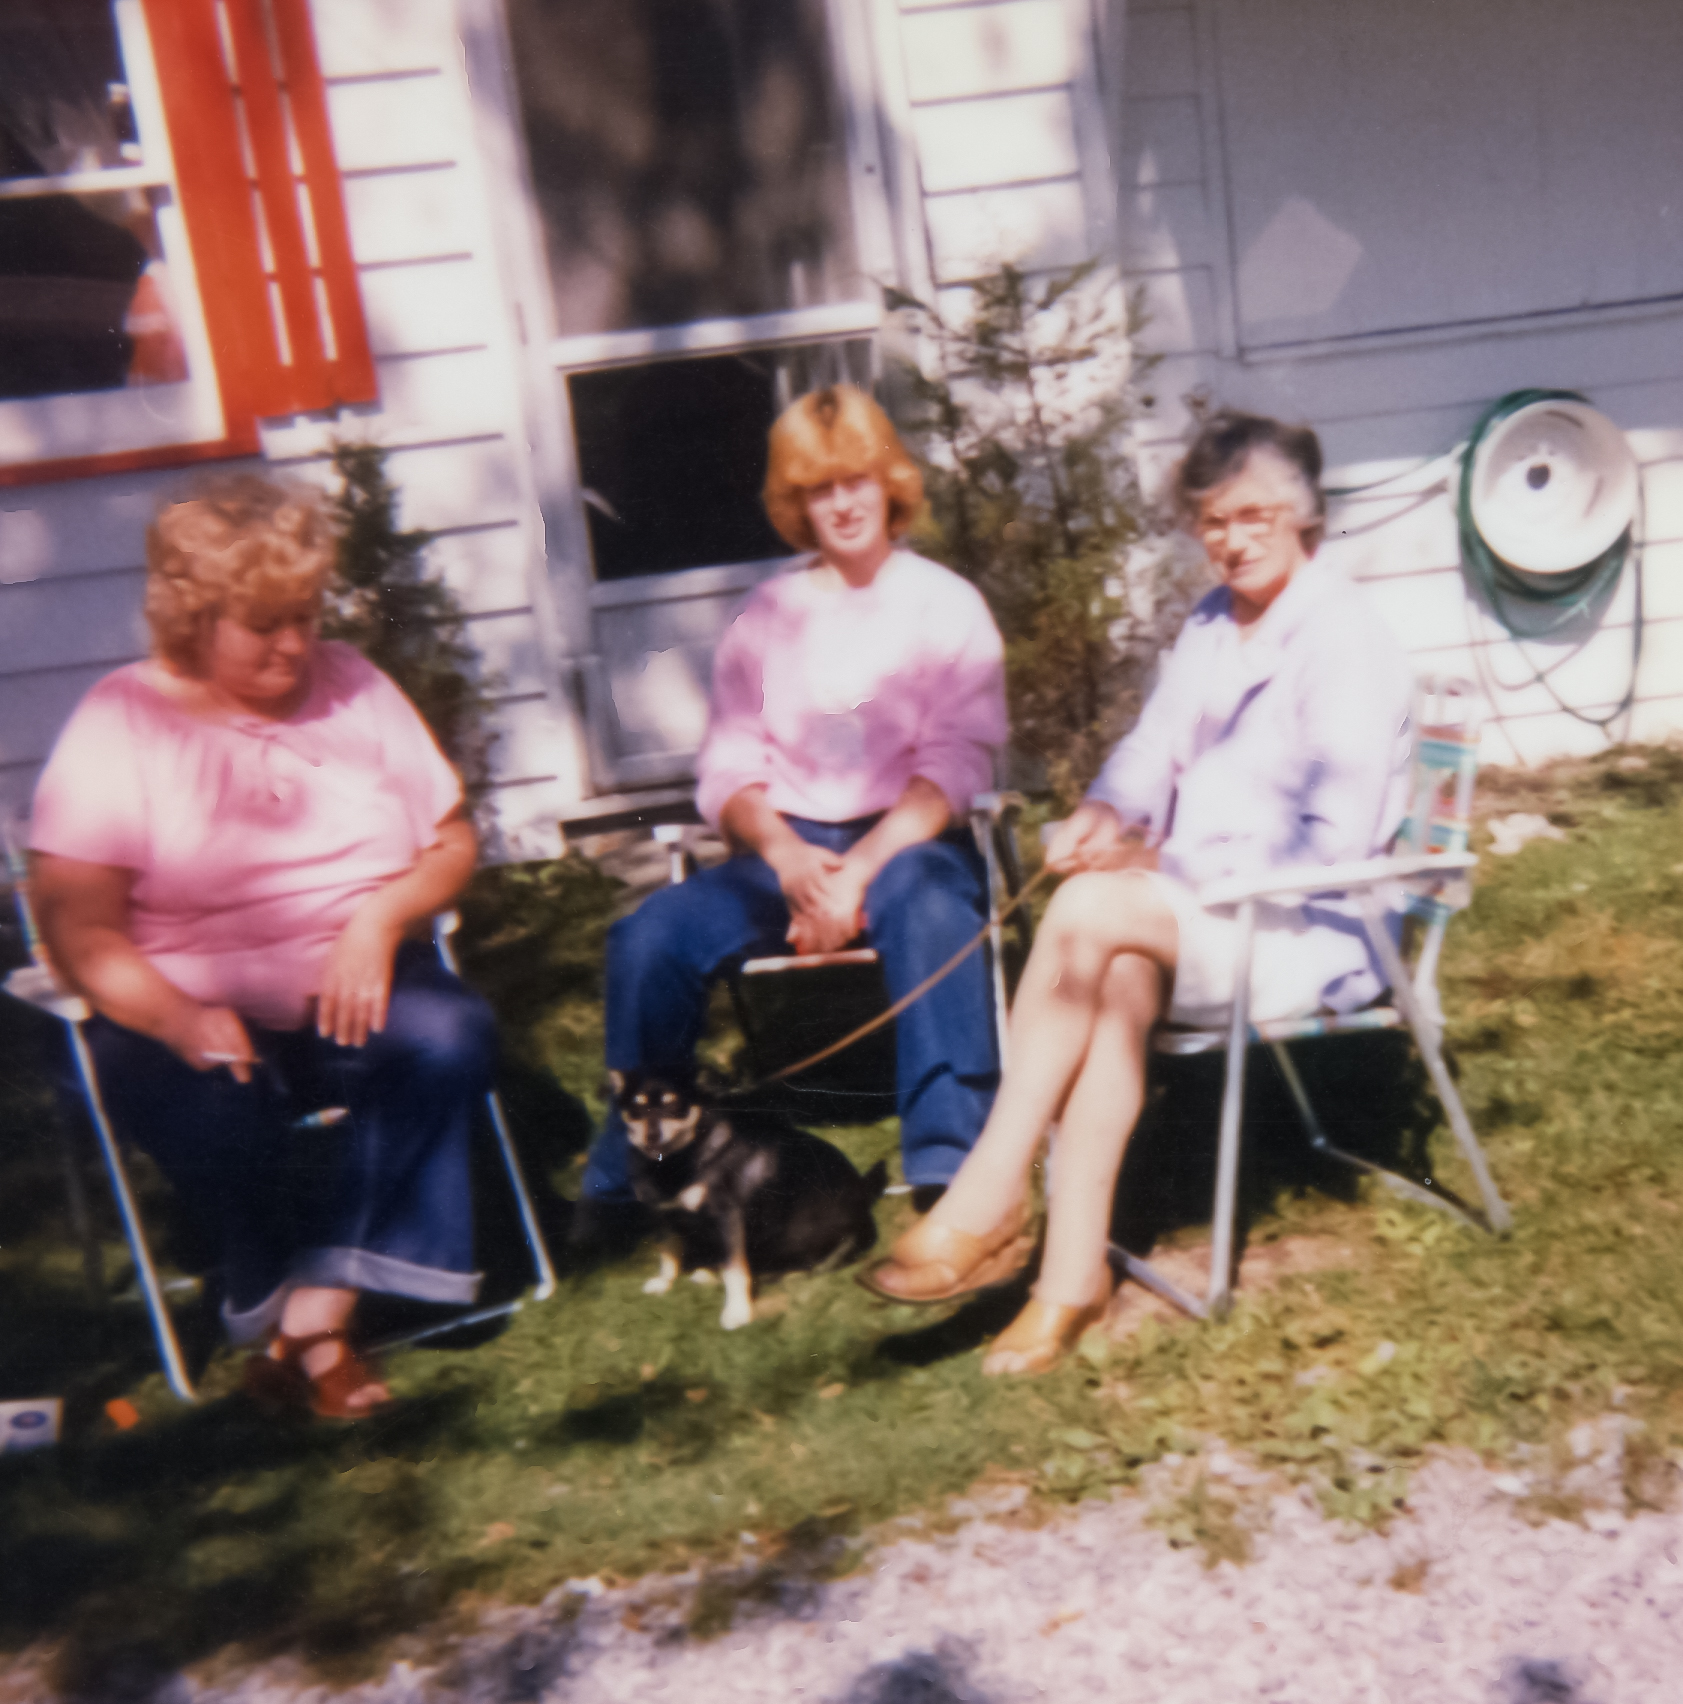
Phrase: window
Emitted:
{"points": [[673, 453], [696, 196], [174, 263], [686, 159]]}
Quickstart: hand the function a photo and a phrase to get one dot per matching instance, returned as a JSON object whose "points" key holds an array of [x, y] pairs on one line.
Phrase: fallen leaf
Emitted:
{"points": [[699, 1394], [1078, 1439], [648, 1371], [830, 1392], [1062, 1619], [497, 1531], [122, 1413]]}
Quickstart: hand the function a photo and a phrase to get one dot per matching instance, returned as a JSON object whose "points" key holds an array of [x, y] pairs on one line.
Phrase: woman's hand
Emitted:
{"points": [[356, 983], [1093, 839], [837, 915], [824, 895], [208, 1037]]}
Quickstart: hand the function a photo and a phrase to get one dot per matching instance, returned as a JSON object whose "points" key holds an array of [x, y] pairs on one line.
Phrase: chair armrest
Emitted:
{"points": [[36, 986], [1334, 878], [994, 805]]}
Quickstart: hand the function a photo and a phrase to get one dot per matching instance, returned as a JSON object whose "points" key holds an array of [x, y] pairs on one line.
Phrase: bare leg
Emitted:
{"points": [[1066, 993], [1098, 1119], [314, 1308]]}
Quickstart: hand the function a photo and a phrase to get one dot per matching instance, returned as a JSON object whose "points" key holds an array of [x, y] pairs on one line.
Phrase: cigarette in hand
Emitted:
{"points": [[227, 1058], [323, 1120]]}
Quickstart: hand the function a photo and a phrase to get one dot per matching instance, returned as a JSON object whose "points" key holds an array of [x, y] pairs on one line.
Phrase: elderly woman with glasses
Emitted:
{"points": [[1277, 735], [858, 702], [234, 842]]}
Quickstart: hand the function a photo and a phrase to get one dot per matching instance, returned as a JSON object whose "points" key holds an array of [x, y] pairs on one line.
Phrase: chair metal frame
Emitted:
{"points": [[36, 985], [1426, 876]]}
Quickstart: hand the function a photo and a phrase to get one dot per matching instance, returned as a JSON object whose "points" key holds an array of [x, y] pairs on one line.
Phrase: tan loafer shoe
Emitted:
{"points": [[1042, 1335], [937, 1263]]}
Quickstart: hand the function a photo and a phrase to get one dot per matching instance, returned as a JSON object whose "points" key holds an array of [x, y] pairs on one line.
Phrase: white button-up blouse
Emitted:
{"points": [[1290, 746]]}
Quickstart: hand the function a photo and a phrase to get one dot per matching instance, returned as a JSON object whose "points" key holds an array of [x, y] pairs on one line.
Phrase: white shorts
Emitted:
{"points": [[1286, 980]]}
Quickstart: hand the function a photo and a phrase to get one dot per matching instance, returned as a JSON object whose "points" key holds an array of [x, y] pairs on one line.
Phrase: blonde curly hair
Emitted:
{"points": [[836, 433], [243, 546]]}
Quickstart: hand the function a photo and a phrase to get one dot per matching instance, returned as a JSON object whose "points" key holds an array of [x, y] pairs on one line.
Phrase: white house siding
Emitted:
{"points": [[449, 414], [1002, 107], [1383, 404]]}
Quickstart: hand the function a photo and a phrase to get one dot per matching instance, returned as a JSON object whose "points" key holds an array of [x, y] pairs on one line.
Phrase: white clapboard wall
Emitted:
{"points": [[1283, 213], [71, 553], [1002, 107]]}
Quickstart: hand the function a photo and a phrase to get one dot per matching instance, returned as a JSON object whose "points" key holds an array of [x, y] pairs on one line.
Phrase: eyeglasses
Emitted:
{"points": [[1251, 522]]}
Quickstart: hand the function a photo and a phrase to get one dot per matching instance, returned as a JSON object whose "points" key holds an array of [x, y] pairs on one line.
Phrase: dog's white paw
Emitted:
{"points": [[738, 1312], [658, 1285], [704, 1275]]}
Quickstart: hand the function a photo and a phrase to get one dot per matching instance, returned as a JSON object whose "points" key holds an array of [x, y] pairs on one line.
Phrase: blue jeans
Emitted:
{"points": [[925, 903], [378, 1201]]}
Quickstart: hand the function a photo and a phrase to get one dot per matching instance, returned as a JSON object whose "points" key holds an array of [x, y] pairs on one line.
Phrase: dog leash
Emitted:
{"points": [[905, 1000]]}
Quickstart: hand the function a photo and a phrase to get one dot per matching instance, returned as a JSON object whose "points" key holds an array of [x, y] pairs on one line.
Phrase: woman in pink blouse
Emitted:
{"points": [[857, 705], [235, 842]]}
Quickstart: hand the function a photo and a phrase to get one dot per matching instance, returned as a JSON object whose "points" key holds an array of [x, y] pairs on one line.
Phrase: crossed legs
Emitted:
{"points": [[1095, 984]]}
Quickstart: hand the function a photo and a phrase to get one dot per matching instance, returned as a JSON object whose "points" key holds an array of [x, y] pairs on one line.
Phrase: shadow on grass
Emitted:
{"points": [[147, 1550], [960, 1332], [1370, 1091]]}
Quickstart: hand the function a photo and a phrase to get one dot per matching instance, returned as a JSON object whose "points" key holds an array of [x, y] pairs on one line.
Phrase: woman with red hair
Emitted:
{"points": [[857, 705]]}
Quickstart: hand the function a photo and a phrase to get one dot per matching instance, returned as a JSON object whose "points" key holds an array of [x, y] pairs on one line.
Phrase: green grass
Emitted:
{"points": [[610, 1433]]}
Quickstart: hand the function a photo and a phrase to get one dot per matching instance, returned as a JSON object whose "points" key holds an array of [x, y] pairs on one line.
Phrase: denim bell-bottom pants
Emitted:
{"points": [[380, 1200], [924, 904]]}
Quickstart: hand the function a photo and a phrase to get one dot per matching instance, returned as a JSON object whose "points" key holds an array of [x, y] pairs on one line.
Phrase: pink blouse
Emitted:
{"points": [[252, 840], [835, 696]]}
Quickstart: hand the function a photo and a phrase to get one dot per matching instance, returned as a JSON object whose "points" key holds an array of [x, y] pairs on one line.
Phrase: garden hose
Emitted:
{"points": [[1537, 606]]}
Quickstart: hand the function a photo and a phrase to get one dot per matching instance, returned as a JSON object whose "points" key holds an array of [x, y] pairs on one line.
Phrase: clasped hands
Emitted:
{"points": [[826, 895]]}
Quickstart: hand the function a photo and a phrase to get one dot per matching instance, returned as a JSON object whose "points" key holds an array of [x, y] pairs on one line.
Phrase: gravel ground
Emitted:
{"points": [[1462, 1599]]}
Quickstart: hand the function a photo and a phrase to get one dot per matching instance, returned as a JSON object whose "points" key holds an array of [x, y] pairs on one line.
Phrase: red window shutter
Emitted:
{"points": [[247, 114]]}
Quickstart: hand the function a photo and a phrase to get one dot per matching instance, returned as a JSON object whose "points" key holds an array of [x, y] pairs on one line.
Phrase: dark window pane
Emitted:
{"points": [[687, 158], [85, 297], [673, 454], [64, 103]]}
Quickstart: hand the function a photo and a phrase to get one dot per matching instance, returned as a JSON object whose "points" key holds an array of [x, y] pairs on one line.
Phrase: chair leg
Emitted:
{"points": [[81, 1221], [163, 1327], [541, 1264], [1426, 1038], [982, 825], [542, 1267], [1323, 1144], [1232, 1107]]}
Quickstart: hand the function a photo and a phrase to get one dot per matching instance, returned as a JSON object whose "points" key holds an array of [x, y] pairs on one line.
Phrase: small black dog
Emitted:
{"points": [[743, 1192]]}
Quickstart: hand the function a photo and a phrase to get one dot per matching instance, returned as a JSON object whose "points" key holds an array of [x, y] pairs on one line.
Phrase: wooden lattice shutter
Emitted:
{"points": [[247, 114]]}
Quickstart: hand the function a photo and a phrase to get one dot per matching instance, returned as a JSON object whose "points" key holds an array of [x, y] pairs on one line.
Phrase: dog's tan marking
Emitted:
{"points": [[678, 1133], [692, 1198], [667, 1276]]}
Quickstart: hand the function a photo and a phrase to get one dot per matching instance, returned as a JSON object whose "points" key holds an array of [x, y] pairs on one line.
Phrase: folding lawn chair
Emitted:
{"points": [[992, 816], [35, 985], [1426, 876]]}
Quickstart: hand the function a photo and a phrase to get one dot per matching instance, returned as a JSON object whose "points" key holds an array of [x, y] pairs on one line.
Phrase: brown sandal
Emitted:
{"points": [[938, 1263], [279, 1382], [1042, 1335]]}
